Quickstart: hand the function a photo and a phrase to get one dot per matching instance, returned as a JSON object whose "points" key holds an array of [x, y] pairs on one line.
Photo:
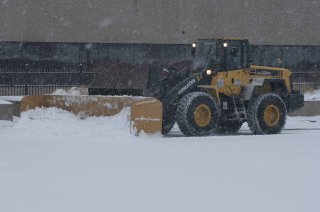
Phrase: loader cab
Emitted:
{"points": [[220, 54]]}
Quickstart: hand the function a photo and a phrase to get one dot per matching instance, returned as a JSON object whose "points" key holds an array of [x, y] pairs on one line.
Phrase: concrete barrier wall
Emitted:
{"points": [[6, 110], [16, 108], [309, 109], [166, 21], [10, 107]]}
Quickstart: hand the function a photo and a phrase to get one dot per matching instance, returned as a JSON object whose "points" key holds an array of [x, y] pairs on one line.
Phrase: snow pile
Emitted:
{"points": [[74, 91], [312, 95], [60, 92], [54, 122], [3, 102]]}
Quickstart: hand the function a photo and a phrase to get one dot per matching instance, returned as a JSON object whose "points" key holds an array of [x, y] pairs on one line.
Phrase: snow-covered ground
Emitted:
{"points": [[51, 160], [312, 95]]}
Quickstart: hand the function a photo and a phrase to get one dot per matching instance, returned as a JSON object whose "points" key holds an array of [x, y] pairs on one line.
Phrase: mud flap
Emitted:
{"points": [[145, 116]]}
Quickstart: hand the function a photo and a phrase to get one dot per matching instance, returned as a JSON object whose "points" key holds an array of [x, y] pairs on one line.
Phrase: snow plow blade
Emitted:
{"points": [[145, 116]]}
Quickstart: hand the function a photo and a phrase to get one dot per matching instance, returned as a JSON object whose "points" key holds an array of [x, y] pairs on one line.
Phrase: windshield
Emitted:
{"points": [[204, 55]]}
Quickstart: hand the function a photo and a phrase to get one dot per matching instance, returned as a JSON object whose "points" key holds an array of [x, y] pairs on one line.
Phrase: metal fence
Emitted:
{"points": [[31, 80], [305, 86], [23, 90], [306, 81]]}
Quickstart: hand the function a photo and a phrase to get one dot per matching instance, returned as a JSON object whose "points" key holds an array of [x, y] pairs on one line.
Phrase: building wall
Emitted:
{"points": [[274, 22]]}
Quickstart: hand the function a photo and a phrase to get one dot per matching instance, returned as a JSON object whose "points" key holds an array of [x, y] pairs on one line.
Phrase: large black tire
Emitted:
{"points": [[266, 114], [197, 114], [229, 127]]}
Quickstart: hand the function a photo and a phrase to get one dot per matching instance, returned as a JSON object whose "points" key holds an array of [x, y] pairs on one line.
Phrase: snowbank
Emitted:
{"points": [[312, 95], [46, 122], [74, 91]]}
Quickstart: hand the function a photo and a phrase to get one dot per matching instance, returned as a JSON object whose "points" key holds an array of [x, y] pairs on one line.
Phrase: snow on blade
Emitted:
{"points": [[54, 122]]}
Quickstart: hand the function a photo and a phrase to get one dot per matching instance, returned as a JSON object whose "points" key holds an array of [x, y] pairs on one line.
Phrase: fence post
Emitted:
{"points": [[316, 85], [81, 74], [26, 89]]}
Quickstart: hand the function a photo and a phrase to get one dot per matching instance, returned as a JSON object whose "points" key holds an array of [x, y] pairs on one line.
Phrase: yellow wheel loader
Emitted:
{"points": [[223, 91], [219, 94]]}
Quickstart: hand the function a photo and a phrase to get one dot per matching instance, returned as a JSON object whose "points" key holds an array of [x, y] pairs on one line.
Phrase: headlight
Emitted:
{"points": [[209, 72], [194, 45], [225, 44]]}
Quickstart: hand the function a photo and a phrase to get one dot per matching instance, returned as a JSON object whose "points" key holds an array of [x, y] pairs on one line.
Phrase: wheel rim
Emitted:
{"points": [[202, 115], [271, 115]]}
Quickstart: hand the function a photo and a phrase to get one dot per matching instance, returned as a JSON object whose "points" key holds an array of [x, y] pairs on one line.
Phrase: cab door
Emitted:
{"points": [[236, 54]]}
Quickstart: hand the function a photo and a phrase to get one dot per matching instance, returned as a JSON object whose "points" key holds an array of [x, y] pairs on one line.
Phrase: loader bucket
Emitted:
{"points": [[145, 116]]}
